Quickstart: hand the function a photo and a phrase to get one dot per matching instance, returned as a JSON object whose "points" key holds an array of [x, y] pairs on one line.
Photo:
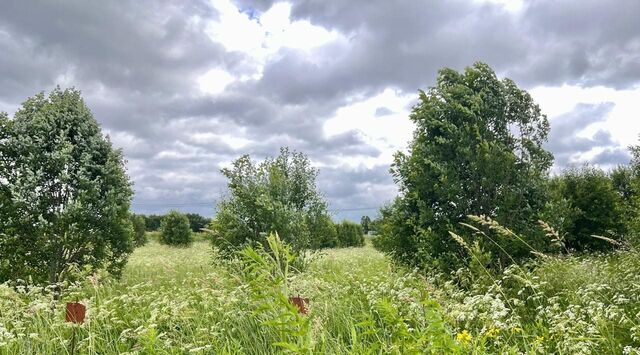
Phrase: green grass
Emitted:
{"points": [[188, 300], [178, 300]]}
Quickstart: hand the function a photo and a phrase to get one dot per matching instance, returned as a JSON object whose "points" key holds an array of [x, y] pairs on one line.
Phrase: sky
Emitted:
{"points": [[184, 88]]}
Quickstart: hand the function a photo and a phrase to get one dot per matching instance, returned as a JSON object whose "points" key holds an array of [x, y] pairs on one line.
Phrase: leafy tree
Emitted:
{"points": [[595, 208], [152, 222], [197, 222], [64, 192], [350, 234], [175, 230], [365, 221], [476, 150], [277, 195], [139, 230]]}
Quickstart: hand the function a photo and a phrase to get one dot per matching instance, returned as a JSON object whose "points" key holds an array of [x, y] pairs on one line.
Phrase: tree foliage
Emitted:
{"points": [[365, 222], [593, 207], [476, 150], [175, 229], [139, 230], [197, 222], [350, 234], [64, 192], [276, 195], [152, 222]]}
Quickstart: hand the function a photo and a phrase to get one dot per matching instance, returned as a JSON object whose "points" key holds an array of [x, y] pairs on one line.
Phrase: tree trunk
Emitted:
{"points": [[54, 271]]}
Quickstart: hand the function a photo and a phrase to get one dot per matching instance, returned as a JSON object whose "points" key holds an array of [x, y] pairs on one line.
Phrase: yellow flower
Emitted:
{"points": [[464, 337], [517, 330], [493, 332], [539, 338]]}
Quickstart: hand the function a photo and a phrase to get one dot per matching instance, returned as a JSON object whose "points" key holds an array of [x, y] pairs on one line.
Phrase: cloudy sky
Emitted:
{"points": [[186, 87]]}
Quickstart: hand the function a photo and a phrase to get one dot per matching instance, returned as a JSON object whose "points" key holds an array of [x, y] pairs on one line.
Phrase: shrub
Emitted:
{"points": [[325, 231], [139, 230], [349, 234], [175, 230], [277, 195], [590, 206]]}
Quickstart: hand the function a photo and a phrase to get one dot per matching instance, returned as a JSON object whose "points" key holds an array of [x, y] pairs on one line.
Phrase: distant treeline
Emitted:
{"points": [[196, 222]]}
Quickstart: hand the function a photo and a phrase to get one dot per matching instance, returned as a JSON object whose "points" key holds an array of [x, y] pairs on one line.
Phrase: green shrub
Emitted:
{"points": [[349, 234], [586, 203], [139, 230], [175, 230], [277, 195], [325, 230]]}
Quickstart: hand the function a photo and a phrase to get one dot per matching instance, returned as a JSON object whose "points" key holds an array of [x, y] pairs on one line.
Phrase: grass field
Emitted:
{"points": [[179, 301]]}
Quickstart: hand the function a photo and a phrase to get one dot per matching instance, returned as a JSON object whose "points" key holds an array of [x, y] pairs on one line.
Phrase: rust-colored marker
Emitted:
{"points": [[75, 312], [301, 303]]}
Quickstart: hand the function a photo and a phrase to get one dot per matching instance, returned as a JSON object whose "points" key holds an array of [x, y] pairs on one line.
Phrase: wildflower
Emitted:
{"points": [[464, 337], [493, 332]]}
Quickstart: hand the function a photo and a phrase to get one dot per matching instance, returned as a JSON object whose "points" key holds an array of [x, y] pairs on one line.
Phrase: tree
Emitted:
{"points": [[152, 222], [197, 222], [476, 150], [175, 230], [349, 234], [139, 230], [64, 192], [365, 221], [277, 195]]}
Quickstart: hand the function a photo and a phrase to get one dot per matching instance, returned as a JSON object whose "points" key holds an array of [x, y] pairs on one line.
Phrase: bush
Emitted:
{"points": [[587, 203], [175, 230], [277, 195], [325, 231], [350, 234], [139, 230]]}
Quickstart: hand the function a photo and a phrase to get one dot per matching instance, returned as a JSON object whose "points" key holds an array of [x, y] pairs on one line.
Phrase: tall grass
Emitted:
{"points": [[188, 300]]}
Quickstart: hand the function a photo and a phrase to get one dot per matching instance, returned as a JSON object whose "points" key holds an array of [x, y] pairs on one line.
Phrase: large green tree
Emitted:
{"points": [[476, 150], [276, 195], [64, 192]]}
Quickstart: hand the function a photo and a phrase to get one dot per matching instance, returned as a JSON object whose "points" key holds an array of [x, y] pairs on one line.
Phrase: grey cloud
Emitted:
{"points": [[382, 111], [612, 157], [402, 44], [565, 143], [137, 63]]}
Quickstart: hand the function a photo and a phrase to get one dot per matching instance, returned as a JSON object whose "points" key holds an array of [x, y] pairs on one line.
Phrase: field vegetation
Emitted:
{"points": [[482, 251]]}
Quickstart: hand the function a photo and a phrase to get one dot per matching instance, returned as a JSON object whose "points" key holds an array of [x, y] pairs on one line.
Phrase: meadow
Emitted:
{"points": [[191, 300]]}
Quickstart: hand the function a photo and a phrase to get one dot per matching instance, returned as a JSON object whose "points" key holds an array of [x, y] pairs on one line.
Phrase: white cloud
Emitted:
{"points": [[389, 133], [215, 81], [623, 122], [262, 37]]}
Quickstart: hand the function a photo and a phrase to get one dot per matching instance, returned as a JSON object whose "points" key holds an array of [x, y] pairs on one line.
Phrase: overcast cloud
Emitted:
{"points": [[186, 87]]}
